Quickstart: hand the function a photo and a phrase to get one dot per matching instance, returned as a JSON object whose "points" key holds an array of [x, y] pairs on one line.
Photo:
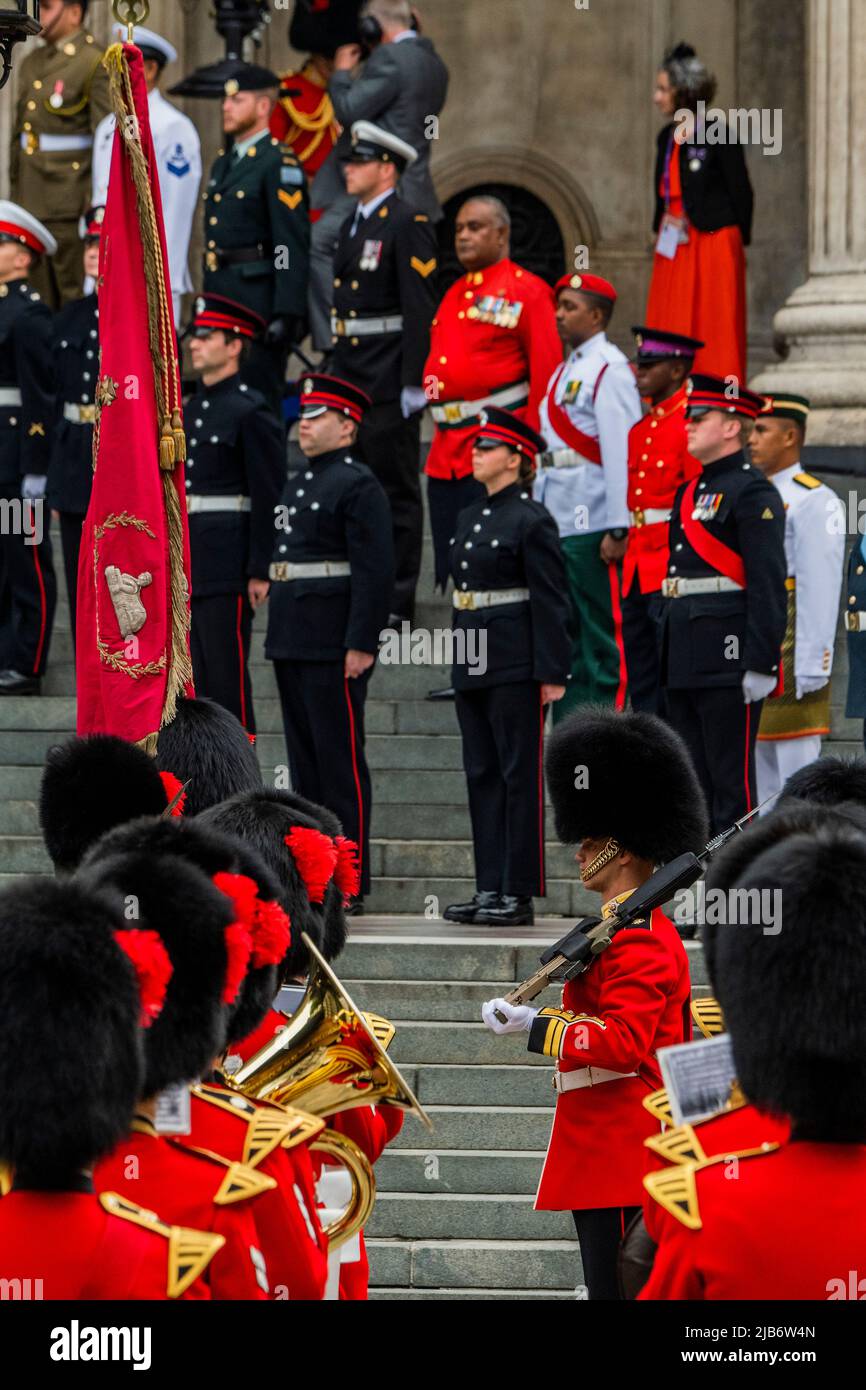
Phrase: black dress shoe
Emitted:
{"points": [[467, 912], [354, 908], [13, 683], [508, 912], [446, 693]]}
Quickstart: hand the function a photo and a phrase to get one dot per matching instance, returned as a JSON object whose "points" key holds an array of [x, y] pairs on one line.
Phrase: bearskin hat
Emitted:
{"points": [[733, 860], [263, 820], [89, 785], [628, 776], [218, 854], [826, 782], [71, 1062], [197, 925], [792, 993], [206, 746], [323, 28], [336, 929]]}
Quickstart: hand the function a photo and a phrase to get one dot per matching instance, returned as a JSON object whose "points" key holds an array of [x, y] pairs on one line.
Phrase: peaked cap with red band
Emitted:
{"points": [[216, 311], [320, 393], [16, 224], [587, 284], [502, 427], [715, 393]]}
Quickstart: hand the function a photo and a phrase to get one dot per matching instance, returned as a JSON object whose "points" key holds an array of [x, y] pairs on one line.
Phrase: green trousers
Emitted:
{"points": [[597, 665]]}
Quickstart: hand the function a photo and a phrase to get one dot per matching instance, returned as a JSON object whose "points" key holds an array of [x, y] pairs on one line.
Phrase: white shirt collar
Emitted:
{"points": [[404, 34], [241, 146], [367, 209], [591, 343]]}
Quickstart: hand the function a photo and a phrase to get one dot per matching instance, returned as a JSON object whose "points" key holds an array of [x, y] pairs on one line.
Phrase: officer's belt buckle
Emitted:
{"points": [[464, 601], [32, 143], [453, 412], [854, 622], [671, 588], [340, 328], [87, 414], [211, 260], [279, 570], [637, 517]]}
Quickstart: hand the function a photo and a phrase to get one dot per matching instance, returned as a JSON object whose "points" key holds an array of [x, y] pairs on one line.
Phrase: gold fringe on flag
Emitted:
{"points": [[166, 376]]}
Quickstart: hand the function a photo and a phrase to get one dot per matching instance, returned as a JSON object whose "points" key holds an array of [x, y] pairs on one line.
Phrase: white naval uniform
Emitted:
{"points": [[178, 159], [591, 497], [815, 552]]}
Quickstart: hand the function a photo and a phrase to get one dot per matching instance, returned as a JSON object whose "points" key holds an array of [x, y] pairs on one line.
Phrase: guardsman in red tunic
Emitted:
{"points": [[75, 988], [303, 118], [635, 996], [659, 462], [493, 342], [792, 1225]]}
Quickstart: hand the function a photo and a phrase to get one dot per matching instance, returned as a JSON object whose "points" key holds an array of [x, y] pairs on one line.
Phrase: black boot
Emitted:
{"points": [[467, 912], [13, 683], [354, 908], [508, 912], [446, 693]]}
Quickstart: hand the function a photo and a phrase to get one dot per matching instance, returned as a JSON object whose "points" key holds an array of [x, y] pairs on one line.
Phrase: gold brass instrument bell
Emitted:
{"points": [[331, 1056]]}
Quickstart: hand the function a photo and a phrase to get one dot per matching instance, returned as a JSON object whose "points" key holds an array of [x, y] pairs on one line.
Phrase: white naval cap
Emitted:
{"points": [[373, 142], [16, 224], [144, 39]]}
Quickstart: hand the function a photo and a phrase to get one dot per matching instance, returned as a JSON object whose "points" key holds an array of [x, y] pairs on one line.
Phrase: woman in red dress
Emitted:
{"points": [[703, 220]]}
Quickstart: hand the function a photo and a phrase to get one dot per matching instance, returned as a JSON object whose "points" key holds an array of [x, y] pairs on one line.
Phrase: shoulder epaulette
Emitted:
{"points": [[675, 1189], [189, 1252], [382, 1029], [659, 1106], [238, 1181], [806, 480], [679, 1145], [304, 1126], [266, 1129], [707, 1014]]}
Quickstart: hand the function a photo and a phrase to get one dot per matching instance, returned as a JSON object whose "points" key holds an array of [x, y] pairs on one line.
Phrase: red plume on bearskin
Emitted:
{"points": [[272, 933], [172, 786], [347, 874], [153, 968], [316, 857], [239, 947], [243, 892]]}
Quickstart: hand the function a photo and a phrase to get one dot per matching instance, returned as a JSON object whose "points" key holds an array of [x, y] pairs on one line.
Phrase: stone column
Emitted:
{"points": [[823, 323]]}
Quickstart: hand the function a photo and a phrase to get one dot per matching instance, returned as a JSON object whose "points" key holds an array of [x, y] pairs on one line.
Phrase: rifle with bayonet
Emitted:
{"points": [[575, 952]]}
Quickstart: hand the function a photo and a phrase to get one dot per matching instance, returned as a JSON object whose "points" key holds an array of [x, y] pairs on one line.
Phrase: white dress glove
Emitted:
{"points": [[807, 685], [412, 398], [757, 687], [33, 486], [519, 1017]]}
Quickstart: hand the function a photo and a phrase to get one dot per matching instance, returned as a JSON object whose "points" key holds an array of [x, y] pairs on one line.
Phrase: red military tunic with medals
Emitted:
{"points": [[658, 463], [633, 1000], [495, 329]]}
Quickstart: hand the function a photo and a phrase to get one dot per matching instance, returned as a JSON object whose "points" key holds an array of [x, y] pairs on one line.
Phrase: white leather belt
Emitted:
{"points": [[718, 584], [363, 328], [462, 412], [488, 598], [55, 142], [10, 395], [79, 414], [283, 570], [649, 516], [586, 1076], [855, 622], [218, 504], [563, 458]]}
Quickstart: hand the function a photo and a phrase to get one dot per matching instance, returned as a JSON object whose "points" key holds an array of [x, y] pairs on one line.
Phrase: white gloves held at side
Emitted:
{"points": [[412, 399], [33, 486], [808, 685], [519, 1017], [757, 687]]}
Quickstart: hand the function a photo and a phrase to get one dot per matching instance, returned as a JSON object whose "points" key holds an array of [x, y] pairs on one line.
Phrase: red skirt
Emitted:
{"points": [[702, 293]]}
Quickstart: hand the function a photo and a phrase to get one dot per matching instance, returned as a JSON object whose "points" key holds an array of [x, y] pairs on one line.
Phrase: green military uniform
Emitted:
{"points": [[63, 95]]}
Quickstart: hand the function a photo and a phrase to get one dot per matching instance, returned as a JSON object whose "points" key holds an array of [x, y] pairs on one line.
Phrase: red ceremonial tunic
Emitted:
{"points": [[792, 1226], [702, 291], [471, 356], [68, 1246], [198, 1190], [633, 1000], [305, 119], [658, 463], [290, 1234]]}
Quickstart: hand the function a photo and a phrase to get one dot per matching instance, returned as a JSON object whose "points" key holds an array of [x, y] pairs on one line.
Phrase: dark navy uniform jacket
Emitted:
{"points": [[712, 639], [508, 541], [853, 603], [335, 510], [235, 448], [25, 365], [388, 267], [75, 353]]}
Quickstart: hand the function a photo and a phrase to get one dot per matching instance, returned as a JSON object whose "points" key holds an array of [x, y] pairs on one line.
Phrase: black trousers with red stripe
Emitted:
{"points": [[503, 731], [323, 719], [219, 640], [70, 540], [28, 588], [720, 732], [600, 1231]]}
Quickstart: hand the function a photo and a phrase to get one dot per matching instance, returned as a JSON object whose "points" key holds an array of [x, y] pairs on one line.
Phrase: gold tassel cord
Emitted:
{"points": [[171, 447]]}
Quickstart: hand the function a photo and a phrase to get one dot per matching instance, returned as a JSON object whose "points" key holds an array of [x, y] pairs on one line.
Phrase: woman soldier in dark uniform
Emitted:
{"points": [[511, 659]]}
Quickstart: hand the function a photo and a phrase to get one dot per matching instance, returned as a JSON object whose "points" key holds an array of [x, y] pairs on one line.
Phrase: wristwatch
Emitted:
{"points": [[618, 533]]}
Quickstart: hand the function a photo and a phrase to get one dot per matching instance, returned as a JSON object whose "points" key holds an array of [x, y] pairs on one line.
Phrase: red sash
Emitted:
{"points": [[718, 555], [575, 439]]}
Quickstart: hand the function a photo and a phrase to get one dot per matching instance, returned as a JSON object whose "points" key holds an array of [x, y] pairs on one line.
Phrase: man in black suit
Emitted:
{"points": [[401, 87]]}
